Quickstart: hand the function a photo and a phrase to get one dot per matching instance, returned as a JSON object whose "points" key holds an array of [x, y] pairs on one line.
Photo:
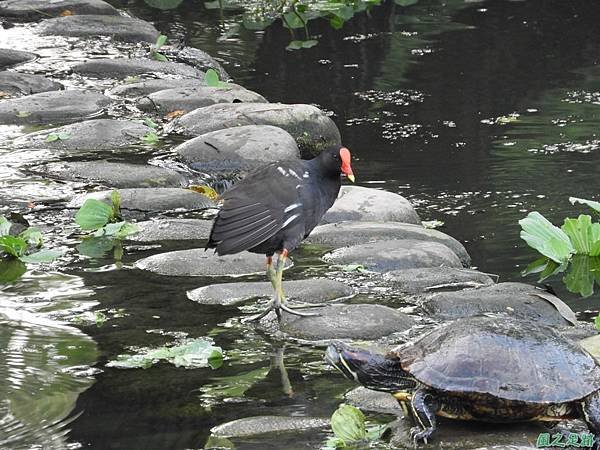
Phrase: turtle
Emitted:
{"points": [[490, 369]]}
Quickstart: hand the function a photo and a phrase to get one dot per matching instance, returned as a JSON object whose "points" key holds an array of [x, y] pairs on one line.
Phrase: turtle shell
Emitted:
{"points": [[505, 358]]}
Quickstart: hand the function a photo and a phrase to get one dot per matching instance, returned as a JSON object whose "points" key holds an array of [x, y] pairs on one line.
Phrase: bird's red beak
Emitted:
{"points": [[346, 167]]}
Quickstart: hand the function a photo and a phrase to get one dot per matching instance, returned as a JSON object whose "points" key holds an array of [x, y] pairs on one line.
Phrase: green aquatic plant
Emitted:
{"points": [[348, 425], [211, 78], [61, 136], [155, 54]]}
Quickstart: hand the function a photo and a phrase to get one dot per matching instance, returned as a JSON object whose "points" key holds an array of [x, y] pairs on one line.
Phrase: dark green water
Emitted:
{"points": [[416, 93]]}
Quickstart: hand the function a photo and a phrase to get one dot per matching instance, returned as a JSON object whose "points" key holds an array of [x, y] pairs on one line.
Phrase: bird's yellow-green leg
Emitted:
{"points": [[271, 272]]}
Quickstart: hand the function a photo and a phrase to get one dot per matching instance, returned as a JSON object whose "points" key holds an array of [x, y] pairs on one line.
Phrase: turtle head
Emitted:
{"points": [[372, 370]]}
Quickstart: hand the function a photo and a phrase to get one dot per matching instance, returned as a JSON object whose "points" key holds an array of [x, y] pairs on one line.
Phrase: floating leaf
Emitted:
{"points": [[13, 246], [94, 214], [43, 256], [592, 204], [118, 230], [536, 266], [33, 237], [11, 270], [348, 424], [294, 45], [550, 241], [96, 247], [5, 225], [236, 385]]}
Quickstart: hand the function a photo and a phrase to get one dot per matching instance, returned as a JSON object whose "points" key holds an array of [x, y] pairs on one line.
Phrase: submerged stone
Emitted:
{"points": [[172, 230], [385, 256], [318, 290], [435, 279], [52, 107], [198, 262], [249, 426], [515, 299], [310, 127], [41, 9], [185, 99], [125, 67], [370, 205], [26, 83], [261, 143], [147, 87], [120, 28], [351, 233], [119, 175], [96, 134], [9, 57]]}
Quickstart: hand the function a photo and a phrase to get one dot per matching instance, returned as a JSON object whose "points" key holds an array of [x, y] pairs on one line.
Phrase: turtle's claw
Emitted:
{"points": [[417, 434]]}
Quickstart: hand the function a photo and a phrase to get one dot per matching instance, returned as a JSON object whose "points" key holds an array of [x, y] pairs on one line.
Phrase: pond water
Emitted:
{"points": [[478, 112]]}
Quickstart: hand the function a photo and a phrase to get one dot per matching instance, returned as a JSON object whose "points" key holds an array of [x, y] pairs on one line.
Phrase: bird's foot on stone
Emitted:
{"points": [[293, 311], [278, 307]]}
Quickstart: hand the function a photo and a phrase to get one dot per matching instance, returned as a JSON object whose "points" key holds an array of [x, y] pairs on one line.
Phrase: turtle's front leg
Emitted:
{"points": [[424, 406], [591, 414]]}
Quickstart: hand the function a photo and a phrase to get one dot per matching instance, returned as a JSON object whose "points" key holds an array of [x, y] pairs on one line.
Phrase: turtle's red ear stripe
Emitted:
{"points": [[346, 168]]}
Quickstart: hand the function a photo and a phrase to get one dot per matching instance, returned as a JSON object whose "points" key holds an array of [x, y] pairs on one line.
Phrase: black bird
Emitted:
{"points": [[277, 206]]}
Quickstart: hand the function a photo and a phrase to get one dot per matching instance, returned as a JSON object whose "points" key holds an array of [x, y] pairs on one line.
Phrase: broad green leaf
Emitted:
{"points": [[309, 43], [94, 214], [160, 41], [11, 270], [5, 225], [591, 203], [336, 22], [52, 137], [536, 266], [198, 353], [211, 78], [552, 268], [583, 233], [13, 246], [159, 57], [580, 279], [405, 2], [348, 424], [43, 256], [294, 20], [376, 432], [251, 23], [345, 12], [95, 247], [294, 45], [33, 237], [131, 362], [550, 241], [236, 385]]}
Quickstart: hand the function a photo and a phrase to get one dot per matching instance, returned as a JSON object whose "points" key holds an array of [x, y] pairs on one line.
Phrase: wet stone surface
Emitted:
{"points": [[198, 262], [123, 68], [368, 400], [172, 230], [41, 9], [9, 57], [339, 321], [118, 27], [147, 87], [310, 127], [196, 58], [118, 175], [96, 134], [16, 83], [261, 143], [385, 256], [309, 291], [54, 107], [184, 99], [420, 281], [250, 426], [352, 233], [359, 203], [516, 299]]}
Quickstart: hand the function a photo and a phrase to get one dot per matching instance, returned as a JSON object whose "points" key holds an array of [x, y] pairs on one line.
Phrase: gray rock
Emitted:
{"points": [[249, 426], [339, 321], [52, 107], [41, 9], [198, 262], [370, 205], [118, 175], [147, 87], [97, 134], [368, 400], [121, 28], [319, 290], [172, 230], [9, 57], [260, 143], [185, 99], [310, 127], [516, 299], [198, 59], [384, 256], [146, 200], [351, 233], [420, 281], [26, 83], [123, 68]]}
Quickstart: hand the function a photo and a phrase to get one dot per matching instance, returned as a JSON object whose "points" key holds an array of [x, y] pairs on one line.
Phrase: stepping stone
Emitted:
{"points": [[368, 400], [363, 204], [118, 175], [183, 99], [120, 28], [259, 143], [26, 84], [343, 234], [385, 256], [96, 134], [339, 321], [318, 290], [41, 9], [310, 127], [9, 57], [52, 107], [147, 87], [172, 230], [250, 426], [149, 200], [196, 58], [515, 299], [123, 68], [198, 262], [436, 279]]}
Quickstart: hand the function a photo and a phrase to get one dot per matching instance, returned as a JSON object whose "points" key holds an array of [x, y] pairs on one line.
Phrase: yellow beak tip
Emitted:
{"points": [[350, 177]]}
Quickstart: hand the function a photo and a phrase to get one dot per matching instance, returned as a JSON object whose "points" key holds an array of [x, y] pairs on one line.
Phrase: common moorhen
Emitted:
{"points": [[277, 206]]}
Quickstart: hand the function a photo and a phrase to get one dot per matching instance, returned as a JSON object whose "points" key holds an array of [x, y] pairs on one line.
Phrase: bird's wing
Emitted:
{"points": [[256, 208]]}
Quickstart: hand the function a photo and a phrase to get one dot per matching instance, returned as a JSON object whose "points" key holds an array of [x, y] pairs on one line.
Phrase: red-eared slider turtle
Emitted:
{"points": [[490, 369]]}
